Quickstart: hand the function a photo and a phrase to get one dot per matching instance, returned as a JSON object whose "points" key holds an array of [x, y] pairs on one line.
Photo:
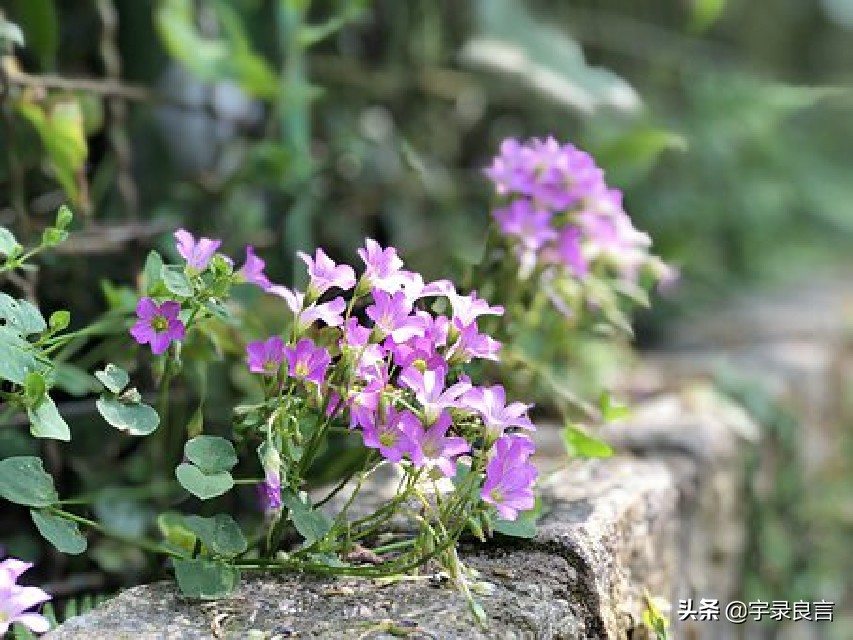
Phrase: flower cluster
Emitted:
{"points": [[561, 216], [16, 600], [385, 364]]}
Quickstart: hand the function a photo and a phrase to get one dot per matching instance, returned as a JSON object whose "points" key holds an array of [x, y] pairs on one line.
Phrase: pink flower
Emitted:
{"points": [[468, 308], [393, 316], [325, 274], [382, 267], [431, 447], [510, 478], [490, 403], [157, 325], [265, 356], [473, 344], [16, 600], [197, 253], [253, 270], [329, 312], [307, 361], [392, 437], [429, 390]]}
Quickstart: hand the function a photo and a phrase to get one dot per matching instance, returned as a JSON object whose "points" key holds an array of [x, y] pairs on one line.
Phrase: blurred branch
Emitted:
{"points": [[440, 82]]}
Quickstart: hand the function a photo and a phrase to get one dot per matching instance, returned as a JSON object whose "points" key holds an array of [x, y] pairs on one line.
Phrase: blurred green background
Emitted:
{"points": [[291, 124]]}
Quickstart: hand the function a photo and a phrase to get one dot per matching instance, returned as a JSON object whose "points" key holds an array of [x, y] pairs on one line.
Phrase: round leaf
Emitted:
{"points": [[220, 534], [206, 579], [201, 485], [45, 421], [135, 418], [113, 378], [211, 454]]}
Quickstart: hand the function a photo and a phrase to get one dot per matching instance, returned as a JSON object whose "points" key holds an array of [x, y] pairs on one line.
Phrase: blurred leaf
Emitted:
{"points": [[611, 410], [45, 421], [220, 534], [705, 14], [173, 529], [40, 24], [205, 579], [211, 454], [524, 526], [214, 59], [10, 33], [64, 139], [73, 380], [121, 514], [23, 480], [537, 54], [201, 485], [61, 533], [579, 444]]}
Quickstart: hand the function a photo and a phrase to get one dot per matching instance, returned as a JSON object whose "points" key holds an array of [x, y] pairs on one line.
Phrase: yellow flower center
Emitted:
{"points": [[159, 324]]}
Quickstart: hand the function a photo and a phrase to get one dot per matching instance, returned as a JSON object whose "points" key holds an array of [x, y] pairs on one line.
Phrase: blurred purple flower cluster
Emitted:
{"points": [[560, 215]]}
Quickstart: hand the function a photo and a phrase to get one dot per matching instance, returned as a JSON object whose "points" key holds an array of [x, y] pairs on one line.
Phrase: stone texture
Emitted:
{"points": [[609, 535]]}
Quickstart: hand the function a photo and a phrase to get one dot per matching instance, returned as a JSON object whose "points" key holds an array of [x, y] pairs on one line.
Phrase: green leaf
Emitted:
{"points": [[46, 422], [60, 532], [524, 526], [21, 316], [174, 530], [63, 136], [35, 387], [39, 21], [176, 281], [705, 14], [312, 524], [18, 357], [113, 378], [205, 579], [151, 272], [23, 480], [220, 534], [581, 445], [211, 454], [64, 217], [8, 243], [135, 418], [201, 485], [51, 237], [59, 320], [612, 411]]}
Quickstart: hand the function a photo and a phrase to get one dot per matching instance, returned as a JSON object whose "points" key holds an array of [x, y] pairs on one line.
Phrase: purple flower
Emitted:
{"points": [[325, 274], [468, 308], [392, 315], [157, 325], [570, 253], [253, 270], [265, 356], [473, 344], [329, 312], [522, 220], [391, 436], [354, 335], [490, 403], [510, 478], [364, 403], [307, 361], [432, 447], [269, 493], [16, 600], [382, 267], [197, 253], [428, 387]]}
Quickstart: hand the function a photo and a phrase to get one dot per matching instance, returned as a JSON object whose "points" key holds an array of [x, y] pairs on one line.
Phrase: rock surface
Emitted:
{"points": [[610, 534]]}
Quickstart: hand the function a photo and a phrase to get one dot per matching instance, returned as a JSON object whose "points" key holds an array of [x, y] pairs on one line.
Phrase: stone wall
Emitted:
{"points": [[616, 529]]}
